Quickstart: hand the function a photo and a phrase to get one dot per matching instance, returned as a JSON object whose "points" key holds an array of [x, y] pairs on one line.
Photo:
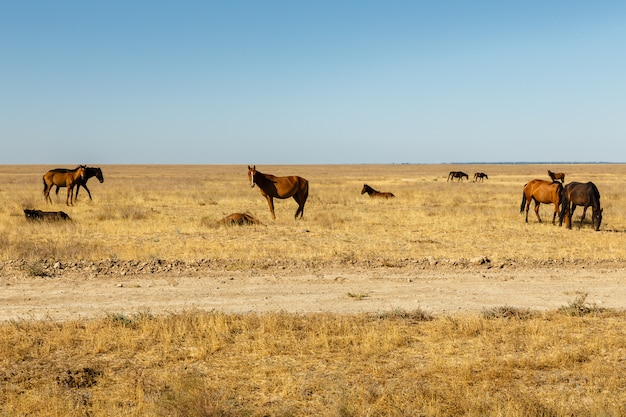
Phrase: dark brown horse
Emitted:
{"points": [[373, 193], [457, 174], [541, 191], [557, 176], [45, 215], [480, 176], [585, 195], [63, 178], [280, 187], [89, 172]]}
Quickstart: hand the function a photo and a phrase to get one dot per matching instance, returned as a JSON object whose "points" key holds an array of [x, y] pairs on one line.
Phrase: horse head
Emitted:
{"points": [[82, 170], [251, 173], [99, 175], [365, 188], [596, 218]]}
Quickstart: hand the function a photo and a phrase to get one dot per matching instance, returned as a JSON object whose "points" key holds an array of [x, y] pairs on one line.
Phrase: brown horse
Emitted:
{"points": [[89, 172], [457, 174], [63, 178], [585, 195], [280, 187], [557, 176], [239, 219], [480, 176], [373, 193], [541, 192]]}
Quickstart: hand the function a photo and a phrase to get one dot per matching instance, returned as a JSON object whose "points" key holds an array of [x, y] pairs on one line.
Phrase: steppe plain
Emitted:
{"points": [[439, 302], [150, 240]]}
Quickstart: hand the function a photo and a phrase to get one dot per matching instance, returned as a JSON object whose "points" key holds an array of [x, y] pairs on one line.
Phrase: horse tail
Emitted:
{"points": [[521, 209]]}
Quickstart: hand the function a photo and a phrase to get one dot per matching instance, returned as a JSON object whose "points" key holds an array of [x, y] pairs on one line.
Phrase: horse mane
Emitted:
{"points": [[595, 195], [369, 188]]}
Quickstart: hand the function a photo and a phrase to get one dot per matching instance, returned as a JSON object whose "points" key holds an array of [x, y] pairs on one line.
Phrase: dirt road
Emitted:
{"points": [[78, 294]]}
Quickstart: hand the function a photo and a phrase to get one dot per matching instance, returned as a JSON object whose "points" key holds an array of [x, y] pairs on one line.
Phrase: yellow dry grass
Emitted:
{"points": [[211, 364], [195, 363], [171, 212]]}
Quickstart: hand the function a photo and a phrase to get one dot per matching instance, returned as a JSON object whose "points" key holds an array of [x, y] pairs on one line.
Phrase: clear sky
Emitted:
{"points": [[311, 82]]}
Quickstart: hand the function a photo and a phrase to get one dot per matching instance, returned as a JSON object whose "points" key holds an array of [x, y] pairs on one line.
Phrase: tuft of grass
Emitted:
{"points": [[35, 269], [579, 307], [414, 316], [357, 296], [507, 312]]}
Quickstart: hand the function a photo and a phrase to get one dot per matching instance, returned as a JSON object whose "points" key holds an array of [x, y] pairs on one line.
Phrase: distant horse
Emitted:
{"points": [[585, 195], [280, 187], [373, 193], [480, 176], [45, 215], [557, 176], [457, 174], [63, 178], [89, 172], [541, 191]]}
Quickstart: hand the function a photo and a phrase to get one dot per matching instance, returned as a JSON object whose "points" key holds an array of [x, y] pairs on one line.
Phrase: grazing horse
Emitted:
{"points": [[89, 172], [480, 176], [63, 178], [45, 215], [557, 176], [457, 174], [579, 194], [373, 193], [280, 187], [541, 192]]}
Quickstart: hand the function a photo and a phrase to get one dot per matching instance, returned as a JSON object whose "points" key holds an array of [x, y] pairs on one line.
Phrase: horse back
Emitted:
{"points": [[543, 191]]}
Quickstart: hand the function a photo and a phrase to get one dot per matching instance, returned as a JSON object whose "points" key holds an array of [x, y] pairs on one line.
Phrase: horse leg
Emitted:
{"points": [[537, 203], [85, 187], [583, 216], [556, 210], [46, 191], [270, 202], [300, 199], [69, 201]]}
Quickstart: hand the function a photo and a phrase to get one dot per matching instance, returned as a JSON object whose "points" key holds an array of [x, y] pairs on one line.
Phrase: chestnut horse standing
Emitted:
{"points": [[373, 193], [63, 178], [579, 194], [541, 192], [280, 187], [89, 172]]}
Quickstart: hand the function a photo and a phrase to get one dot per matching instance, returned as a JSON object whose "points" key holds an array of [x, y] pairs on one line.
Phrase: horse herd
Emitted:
{"points": [[459, 175], [564, 198]]}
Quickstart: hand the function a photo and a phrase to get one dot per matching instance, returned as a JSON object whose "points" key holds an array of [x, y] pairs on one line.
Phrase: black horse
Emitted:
{"points": [[457, 174], [585, 195], [89, 172]]}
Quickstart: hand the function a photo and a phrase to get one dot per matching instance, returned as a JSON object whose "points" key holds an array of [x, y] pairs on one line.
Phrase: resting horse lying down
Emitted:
{"points": [[45, 215]]}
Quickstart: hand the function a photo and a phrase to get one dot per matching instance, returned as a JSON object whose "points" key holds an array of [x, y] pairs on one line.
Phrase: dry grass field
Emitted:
{"points": [[151, 224]]}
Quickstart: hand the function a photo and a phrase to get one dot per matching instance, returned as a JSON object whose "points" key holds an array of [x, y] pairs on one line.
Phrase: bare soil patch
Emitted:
{"points": [[62, 292]]}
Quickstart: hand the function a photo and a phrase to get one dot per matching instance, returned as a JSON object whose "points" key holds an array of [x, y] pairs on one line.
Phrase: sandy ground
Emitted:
{"points": [[437, 291]]}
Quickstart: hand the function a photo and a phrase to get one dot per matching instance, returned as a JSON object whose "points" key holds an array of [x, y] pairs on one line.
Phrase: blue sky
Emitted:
{"points": [[318, 82]]}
